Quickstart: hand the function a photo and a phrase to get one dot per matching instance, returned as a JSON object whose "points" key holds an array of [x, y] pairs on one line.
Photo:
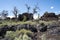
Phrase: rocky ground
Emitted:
{"points": [[51, 32]]}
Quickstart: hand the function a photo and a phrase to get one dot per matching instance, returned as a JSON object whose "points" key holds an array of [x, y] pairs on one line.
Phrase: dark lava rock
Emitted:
{"points": [[19, 27], [54, 31], [27, 27], [43, 29], [12, 28], [6, 28], [52, 26], [3, 30], [33, 29]]}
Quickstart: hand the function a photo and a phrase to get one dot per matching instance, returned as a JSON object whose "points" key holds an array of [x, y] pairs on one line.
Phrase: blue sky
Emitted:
{"points": [[44, 5]]}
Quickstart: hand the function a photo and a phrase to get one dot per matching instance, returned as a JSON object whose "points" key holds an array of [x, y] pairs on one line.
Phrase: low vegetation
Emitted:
{"points": [[26, 22], [19, 34]]}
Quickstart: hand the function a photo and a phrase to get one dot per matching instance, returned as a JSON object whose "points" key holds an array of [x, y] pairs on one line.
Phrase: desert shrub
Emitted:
{"points": [[25, 37], [18, 34], [10, 35], [24, 31], [22, 37], [18, 38]]}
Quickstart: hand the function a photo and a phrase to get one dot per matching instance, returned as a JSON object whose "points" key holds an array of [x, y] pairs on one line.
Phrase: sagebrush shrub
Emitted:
{"points": [[19, 34]]}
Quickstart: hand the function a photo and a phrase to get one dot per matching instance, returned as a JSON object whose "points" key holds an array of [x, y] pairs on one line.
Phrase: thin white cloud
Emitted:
{"points": [[59, 11], [51, 7]]}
